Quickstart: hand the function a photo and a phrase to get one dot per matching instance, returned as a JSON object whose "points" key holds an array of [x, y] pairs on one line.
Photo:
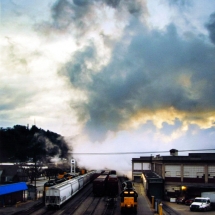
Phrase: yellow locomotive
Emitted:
{"points": [[128, 197]]}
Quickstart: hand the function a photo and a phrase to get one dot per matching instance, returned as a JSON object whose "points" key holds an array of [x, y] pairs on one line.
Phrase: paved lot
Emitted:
{"points": [[185, 210]]}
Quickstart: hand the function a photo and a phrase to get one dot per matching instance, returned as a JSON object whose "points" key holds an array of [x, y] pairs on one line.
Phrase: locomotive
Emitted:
{"points": [[128, 196]]}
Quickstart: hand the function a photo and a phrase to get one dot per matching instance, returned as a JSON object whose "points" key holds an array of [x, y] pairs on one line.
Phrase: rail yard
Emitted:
{"points": [[95, 193], [86, 197]]}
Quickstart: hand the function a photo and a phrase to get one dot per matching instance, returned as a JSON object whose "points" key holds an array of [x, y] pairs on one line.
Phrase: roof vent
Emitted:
{"points": [[174, 152]]}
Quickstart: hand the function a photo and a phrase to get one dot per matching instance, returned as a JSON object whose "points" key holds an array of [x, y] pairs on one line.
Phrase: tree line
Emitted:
{"points": [[24, 144]]}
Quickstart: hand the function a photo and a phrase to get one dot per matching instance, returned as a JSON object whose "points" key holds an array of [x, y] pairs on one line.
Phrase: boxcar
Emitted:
{"points": [[112, 172], [112, 186], [99, 185], [106, 172], [97, 174]]}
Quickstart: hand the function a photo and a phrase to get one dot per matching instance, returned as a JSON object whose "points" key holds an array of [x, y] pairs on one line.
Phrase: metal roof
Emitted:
{"points": [[11, 188]]}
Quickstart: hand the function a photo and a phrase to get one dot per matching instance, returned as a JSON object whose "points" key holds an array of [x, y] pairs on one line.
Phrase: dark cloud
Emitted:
{"points": [[211, 27], [65, 14], [178, 3], [77, 69], [81, 2], [78, 16], [145, 74], [112, 3]]}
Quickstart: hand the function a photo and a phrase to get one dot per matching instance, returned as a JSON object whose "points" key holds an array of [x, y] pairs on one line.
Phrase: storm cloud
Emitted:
{"points": [[109, 66], [148, 70], [211, 27]]}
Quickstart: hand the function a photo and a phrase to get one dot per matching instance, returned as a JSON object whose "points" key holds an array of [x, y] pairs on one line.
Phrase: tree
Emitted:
{"points": [[21, 144]]}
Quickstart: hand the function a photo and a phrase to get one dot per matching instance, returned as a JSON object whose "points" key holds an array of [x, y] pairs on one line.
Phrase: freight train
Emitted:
{"points": [[55, 181], [128, 196], [56, 195], [106, 184]]}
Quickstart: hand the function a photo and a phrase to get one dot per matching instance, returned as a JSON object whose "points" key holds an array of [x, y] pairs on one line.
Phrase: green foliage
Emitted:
{"points": [[21, 144]]}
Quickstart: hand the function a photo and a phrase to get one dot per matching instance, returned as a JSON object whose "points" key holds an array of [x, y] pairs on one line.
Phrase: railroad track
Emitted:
{"points": [[169, 210], [110, 206], [105, 205], [71, 206], [92, 207], [31, 210]]}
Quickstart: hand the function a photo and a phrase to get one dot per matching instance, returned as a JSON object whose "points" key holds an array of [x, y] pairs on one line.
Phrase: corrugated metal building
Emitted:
{"points": [[183, 175], [12, 193]]}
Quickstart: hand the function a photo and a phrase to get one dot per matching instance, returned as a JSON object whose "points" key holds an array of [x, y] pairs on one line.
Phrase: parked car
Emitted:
{"points": [[189, 201], [180, 200]]}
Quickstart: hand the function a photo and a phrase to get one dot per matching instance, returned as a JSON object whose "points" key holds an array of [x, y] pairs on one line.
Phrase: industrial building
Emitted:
{"points": [[177, 175]]}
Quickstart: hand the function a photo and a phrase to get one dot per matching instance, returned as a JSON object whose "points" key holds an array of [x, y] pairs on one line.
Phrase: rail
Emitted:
{"points": [[169, 211]]}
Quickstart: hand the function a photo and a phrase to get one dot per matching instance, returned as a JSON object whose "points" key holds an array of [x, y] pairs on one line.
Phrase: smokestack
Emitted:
{"points": [[174, 152]]}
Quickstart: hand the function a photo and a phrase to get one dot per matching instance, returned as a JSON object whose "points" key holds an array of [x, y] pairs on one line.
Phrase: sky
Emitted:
{"points": [[111, 76]]}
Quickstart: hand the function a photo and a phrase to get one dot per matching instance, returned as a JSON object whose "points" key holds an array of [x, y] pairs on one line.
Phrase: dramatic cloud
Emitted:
{"points": [[111, 73], [149, 72], [211, 27]]}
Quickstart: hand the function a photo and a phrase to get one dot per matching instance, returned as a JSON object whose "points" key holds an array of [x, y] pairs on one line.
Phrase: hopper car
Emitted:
{"points": [[56, 195], [58, 180]]}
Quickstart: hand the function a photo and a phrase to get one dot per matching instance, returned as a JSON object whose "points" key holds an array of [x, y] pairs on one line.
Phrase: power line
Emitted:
{"points": [[124, 153]]}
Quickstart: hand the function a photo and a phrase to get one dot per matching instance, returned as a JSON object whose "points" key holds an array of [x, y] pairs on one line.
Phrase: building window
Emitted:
{"points": [[211, 171], [193, 171], [172, 171], [137, 166], [167, 174]]}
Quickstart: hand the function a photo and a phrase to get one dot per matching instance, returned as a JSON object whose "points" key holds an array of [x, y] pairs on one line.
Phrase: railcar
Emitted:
{"points": [[112, 186], [68, 176], [106, 172], [112, 172], [97, 173], [53, 182], [128, 199], [56, 195], [49, 183], [100, 185]]}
